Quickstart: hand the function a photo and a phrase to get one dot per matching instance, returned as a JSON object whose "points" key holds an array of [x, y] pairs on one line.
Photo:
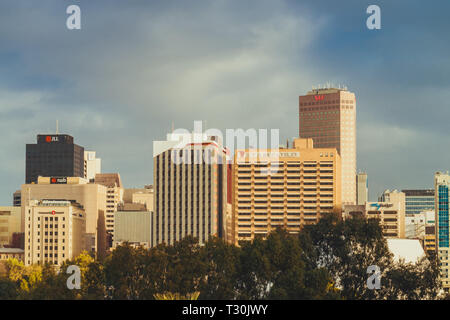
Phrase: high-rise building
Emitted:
{"points": [[190, 185], [328, 116], [284, 187], [362, 188], [114, 197], [54, 155], [91, 196], [54, 231], [441, 204], [92, 165], [10, 223], [419, 200]]}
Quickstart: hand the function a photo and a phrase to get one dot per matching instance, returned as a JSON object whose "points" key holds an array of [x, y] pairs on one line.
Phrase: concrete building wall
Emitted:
{"points": [[133, 227]]}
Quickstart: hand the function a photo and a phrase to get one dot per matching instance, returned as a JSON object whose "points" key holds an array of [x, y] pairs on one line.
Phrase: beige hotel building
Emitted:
{"points": [[283, 188], [328, 116], [54, 231]]}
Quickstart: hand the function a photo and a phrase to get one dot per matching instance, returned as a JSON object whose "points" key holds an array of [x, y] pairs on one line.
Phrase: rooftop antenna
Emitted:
{"points": [[57, 126], [173, 127]]}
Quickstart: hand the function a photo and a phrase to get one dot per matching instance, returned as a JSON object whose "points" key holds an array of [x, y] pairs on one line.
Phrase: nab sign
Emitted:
{"points": [[60, 180]]}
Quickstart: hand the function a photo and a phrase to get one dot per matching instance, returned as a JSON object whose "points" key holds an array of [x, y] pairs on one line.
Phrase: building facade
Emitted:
{"points": [[114, 197], [284, 188], [17, 198], [391, 216], [54, 231], [89, 195], [10, 223], [441, 204], [190, 185], [328, 116], [92, 165], [418, 200], [140, 195], [362, 188], [133, 227], [11, 253], [54, 155]]}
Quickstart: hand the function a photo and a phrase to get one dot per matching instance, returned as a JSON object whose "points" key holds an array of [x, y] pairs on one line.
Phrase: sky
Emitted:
{"points": [[136, 67]]}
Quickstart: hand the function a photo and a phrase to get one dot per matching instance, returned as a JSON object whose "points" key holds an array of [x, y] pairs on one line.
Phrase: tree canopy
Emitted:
{"points": [[328, 260]]}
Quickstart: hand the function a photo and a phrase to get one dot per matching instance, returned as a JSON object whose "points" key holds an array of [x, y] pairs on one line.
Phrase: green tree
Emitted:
{"points": [[222, 261]]}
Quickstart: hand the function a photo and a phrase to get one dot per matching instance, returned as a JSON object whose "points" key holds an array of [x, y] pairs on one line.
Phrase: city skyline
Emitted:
{"points": [[116, 93]]}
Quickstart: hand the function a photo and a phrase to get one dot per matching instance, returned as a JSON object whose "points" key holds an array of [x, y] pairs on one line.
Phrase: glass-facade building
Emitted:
{"points": [[417, 201], [443, 231], [54, 156], [441, 185]]}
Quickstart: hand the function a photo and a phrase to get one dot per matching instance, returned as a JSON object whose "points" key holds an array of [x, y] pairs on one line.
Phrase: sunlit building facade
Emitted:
{"points": [[284, 188]]}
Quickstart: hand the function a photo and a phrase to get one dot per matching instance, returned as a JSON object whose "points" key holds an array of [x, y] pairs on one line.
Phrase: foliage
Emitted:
{"points": [[327, 260]]}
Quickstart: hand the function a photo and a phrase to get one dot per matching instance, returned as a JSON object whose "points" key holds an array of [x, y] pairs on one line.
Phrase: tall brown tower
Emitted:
{"points": [[328, 116]]}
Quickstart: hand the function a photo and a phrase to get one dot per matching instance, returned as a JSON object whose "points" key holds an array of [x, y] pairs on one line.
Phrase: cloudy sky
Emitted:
{"points": [[135, 66]]}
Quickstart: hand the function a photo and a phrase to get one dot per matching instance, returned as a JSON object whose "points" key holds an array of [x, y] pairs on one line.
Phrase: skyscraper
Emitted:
{"points": [[328, 116], [441, 191], [54, 155], [190, 186], [362, 188]]}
